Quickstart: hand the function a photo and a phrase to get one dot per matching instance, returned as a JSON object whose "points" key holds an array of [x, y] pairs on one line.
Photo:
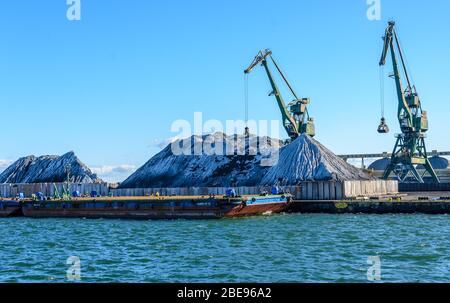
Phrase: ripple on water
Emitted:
{"points": [[285, 248]]}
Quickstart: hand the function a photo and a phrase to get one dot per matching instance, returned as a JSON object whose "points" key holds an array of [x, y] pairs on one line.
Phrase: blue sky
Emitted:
{"points": [[110, 85]]}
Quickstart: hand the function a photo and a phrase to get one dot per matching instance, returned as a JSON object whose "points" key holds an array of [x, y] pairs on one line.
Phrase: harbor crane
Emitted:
{"points": [[410, 149], [296, 120]]}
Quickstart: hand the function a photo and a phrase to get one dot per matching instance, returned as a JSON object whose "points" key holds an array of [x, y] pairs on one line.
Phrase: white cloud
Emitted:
{"points": [[4, 164], [114, 173], [107, 169]]}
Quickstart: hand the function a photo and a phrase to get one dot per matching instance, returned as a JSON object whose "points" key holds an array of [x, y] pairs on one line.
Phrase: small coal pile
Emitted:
{"points": [[47, 169], [305, 159]]}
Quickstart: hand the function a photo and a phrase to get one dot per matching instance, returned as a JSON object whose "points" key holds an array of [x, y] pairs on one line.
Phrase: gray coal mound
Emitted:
{"points": [[48, 169], [305, 159], [216, 169]]}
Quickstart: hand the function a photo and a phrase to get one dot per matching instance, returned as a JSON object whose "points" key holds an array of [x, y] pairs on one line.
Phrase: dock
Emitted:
{"points": [[406, 203]]}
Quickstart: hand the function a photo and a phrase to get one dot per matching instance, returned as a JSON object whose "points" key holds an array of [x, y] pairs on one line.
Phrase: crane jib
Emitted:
{"points": [[295, 115]]}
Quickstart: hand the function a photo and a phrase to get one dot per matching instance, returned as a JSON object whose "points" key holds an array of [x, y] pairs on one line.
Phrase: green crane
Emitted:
{"points": [[409, 150], [296, 119]]}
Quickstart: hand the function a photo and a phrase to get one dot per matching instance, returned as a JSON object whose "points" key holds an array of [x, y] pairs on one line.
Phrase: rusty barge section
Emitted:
{"points": [[154, 208], [10, 208]]}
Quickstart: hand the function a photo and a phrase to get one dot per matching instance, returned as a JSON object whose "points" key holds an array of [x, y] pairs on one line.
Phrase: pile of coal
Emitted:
{"points": [[46, 169], [215, 160], [306, 159]]}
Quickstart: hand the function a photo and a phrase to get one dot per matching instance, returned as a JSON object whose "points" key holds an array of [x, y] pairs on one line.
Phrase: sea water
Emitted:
{"points": [[277, 248]]}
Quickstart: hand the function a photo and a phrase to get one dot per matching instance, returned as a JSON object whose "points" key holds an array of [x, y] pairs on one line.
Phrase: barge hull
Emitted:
{"points": [[155, 208], [257, 209], [11, 212], [142, 214], [10, 209], [160, 214]]}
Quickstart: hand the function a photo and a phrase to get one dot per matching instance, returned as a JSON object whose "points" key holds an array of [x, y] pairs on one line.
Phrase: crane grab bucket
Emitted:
{"points": [[383, 128]]}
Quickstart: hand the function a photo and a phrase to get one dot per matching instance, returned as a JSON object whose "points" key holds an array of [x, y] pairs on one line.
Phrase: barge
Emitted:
{"points": [[9, 208], [215, 207], [153, 208]]}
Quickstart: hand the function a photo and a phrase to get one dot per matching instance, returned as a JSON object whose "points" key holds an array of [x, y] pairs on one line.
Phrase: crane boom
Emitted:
{"points": [[389, 44], [293, 118], [290, 88], [410, 149], [260, 57]]}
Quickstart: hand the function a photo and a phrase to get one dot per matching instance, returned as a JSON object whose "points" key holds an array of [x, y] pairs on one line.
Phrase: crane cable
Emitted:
{"points": [[382, 90], [246, 98], [287, 82]]}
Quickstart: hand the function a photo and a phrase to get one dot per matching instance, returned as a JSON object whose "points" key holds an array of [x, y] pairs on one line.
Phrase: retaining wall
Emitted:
{"points": [[304, 191], [12, 190]]}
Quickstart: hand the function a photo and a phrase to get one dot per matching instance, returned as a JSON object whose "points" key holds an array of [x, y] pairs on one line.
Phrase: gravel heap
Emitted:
{"points": [[306, 159], [46, 169]]}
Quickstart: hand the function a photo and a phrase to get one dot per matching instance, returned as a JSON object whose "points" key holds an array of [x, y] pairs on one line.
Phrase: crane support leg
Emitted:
{"points": [[431, 171], [402, 164]]}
